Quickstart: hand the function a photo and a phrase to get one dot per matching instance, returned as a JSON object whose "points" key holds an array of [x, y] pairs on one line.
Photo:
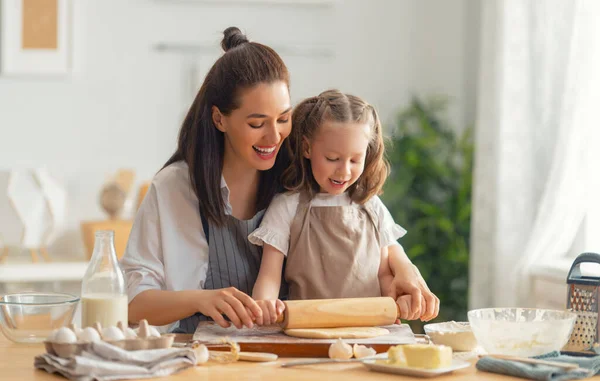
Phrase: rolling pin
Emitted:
{"points": [[334, 313]]}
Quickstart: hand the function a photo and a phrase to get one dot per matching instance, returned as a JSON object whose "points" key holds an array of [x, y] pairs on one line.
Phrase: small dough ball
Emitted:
{"points": [[65, 335], [201, 354], [112, 334], [89, 335], [361, 351], [340, 351]]}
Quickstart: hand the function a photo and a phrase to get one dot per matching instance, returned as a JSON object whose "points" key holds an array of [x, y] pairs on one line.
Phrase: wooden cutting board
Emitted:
{"points": [[273, 340]]}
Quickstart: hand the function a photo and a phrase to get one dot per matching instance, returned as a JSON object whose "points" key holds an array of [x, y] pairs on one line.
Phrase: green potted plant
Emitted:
{"points": [[429, 193]]}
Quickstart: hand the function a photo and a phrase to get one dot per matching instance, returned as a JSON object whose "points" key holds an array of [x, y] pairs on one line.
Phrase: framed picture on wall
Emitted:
{"points": [[35, 37]]}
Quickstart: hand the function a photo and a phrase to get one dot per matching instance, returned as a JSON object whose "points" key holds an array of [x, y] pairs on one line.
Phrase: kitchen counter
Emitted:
{"points": [[16, 363]]}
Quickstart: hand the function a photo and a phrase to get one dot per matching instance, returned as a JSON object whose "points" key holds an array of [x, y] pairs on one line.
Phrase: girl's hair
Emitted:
{"points": [[201, 145], [335, 106]]}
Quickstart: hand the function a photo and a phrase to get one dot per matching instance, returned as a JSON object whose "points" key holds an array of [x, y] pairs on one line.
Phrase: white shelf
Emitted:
{"points": [[42, 272]]}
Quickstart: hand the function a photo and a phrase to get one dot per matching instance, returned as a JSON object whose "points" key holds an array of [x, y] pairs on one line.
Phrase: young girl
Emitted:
{"points": [[338, 237]]}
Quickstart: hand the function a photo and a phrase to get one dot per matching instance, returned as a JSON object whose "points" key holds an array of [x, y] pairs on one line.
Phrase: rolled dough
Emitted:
{"points": [[337, 333]]}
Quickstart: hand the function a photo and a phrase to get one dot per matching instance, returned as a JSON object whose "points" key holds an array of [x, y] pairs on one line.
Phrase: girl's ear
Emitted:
{"points": [[305, 147], [217, 118]]}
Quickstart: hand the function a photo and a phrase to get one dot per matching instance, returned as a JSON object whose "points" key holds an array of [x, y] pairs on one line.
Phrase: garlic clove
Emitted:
{"points": [[340, 350], [361, 351], [201, 354]]}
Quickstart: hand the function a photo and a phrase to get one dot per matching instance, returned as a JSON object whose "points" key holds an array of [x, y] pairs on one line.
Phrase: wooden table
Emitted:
{"points": [[16, 363]]}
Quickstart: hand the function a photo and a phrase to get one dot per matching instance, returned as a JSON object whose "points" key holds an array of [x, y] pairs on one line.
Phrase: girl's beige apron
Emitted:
{"points": [[342, 239]]}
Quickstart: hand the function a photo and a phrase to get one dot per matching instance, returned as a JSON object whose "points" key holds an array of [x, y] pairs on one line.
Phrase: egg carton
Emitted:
{"points": [[146, 338]]}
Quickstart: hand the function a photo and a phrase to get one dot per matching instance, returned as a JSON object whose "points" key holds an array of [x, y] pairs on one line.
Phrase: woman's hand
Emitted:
{"points": [[239, 307], [423, 303], [271, 309], [407, 280]]}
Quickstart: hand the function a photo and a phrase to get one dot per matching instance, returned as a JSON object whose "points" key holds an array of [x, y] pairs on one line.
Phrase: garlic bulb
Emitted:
{"points": [[340, 351], [360, 351], [201, 354]]}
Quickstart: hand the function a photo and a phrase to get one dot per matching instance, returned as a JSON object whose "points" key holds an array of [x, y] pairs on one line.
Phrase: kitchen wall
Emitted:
{"points": [[123, 102]]}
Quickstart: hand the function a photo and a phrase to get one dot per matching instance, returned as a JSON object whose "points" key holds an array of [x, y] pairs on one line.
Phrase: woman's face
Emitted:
{"points": [[255, 131]]}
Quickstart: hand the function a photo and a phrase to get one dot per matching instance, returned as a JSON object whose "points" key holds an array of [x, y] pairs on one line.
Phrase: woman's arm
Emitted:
{"points": [[268, 283], [164, 307], [385, 272], [145, 272], [408, 280]]}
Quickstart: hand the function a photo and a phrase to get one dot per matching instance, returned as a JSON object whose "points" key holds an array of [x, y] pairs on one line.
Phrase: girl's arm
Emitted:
{"points": [[268, 283]]}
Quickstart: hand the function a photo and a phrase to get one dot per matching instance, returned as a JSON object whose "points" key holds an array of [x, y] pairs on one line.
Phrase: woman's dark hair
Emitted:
{"points": [[201, 145]]}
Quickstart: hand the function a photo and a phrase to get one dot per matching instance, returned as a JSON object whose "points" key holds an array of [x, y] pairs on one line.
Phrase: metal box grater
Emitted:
{"points": [[582, 298]]}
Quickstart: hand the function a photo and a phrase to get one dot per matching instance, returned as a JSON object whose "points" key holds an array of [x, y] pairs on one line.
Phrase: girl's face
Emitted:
{"points": [[255, 131], [337, 155]]}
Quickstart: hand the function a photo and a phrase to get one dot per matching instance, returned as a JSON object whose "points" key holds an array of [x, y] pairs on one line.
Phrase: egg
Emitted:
{"points": [[340, 351], [112, 334], [52, 335], [65, 336], [361, 351], [130, 333], [76, 329], [153, 332], [89, 335]]}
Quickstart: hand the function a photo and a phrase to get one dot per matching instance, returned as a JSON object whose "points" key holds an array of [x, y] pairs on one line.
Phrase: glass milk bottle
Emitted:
{"points": [[103, 296]]}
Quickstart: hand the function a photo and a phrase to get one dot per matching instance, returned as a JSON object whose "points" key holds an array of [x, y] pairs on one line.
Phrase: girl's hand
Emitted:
{"points": [[231, 302], [423, 303], [271, 309]]}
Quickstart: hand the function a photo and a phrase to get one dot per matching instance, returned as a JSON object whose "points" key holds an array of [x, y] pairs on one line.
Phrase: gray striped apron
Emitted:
{"points": [[232, 260]]}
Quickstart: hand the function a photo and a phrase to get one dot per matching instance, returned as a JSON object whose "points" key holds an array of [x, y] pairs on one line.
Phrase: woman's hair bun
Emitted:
{"points": [[233, 37]]}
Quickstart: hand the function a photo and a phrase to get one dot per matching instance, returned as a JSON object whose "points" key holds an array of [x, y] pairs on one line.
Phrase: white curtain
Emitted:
{"points": [[538, 88]]}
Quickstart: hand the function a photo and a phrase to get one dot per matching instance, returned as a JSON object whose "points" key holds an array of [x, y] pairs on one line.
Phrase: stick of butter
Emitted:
{"points": [[420, 356]]}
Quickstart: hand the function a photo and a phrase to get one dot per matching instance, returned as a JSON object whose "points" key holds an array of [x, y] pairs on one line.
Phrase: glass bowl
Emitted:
{"points": [[521, 331], [29, 317]]}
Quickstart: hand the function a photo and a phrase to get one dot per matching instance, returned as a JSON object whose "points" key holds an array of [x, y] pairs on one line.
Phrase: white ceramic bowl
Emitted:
{"points": [[521, 331], [457, 335]]}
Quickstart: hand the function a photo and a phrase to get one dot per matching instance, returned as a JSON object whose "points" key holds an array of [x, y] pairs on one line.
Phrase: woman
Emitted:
{"points": [[188, 255]]}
